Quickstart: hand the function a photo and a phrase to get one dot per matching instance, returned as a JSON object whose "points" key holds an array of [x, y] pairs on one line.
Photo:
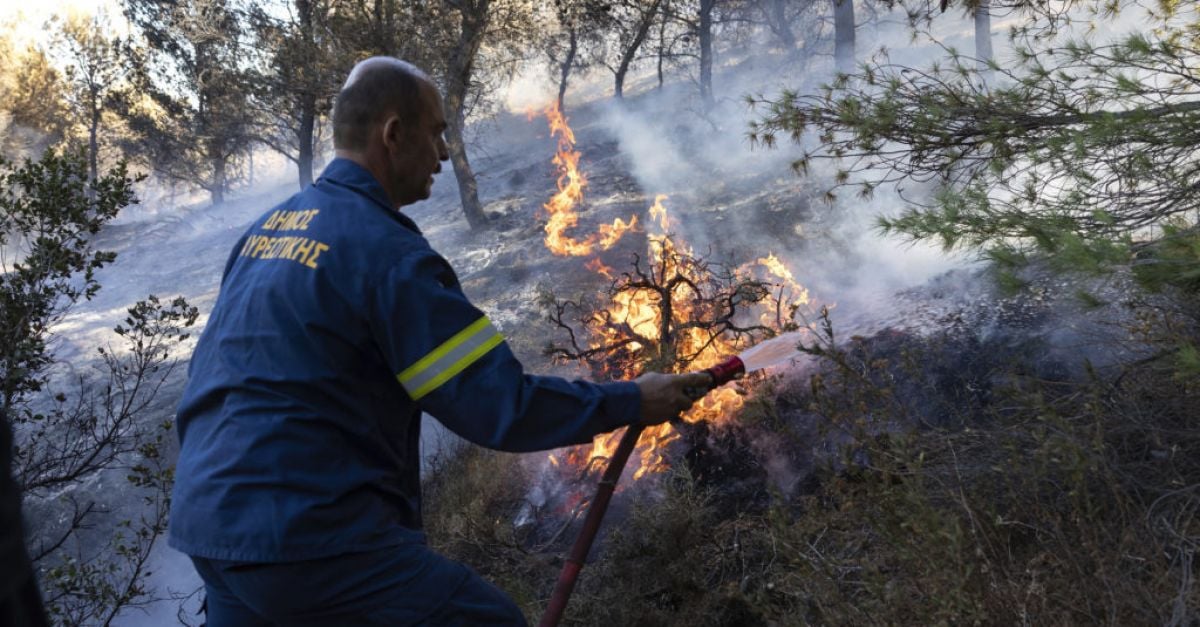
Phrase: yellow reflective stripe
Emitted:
{"points": [[449, 359], [458, 366], [441, 351]]}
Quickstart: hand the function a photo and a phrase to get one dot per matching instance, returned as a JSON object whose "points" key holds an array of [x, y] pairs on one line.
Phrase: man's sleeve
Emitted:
{"points": [[453, 362]]}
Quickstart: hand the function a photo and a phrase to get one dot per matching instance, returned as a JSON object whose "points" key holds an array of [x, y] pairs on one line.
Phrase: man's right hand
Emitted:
{"points": [[665, 396]]}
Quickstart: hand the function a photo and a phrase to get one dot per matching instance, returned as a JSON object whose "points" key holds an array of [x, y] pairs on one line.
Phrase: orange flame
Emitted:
{"points": [[561, 207], [597, 266], [791, 295], [777, 268], [659, 212]]}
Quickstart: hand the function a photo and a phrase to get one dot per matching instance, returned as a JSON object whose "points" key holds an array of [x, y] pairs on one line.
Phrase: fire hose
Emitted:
{"points": [[721, 374]]}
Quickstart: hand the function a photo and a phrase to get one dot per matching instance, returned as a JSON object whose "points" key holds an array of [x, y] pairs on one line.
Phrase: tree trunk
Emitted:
{"points": [[662, 45], [983, 36], [217, 189], [93, 148], [307, 95], [843, 35], [630, 52], [567, 64], [389, 27], [664, 13], [778, 22], [474, 15], [382, 39], [706, 53], [304, 134]]}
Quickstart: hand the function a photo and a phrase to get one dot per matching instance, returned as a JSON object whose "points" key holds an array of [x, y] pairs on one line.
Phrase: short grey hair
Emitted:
{"points": [[376, 86]]}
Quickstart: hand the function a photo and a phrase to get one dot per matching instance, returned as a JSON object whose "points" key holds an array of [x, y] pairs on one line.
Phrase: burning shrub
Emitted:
{"points": [[671, 313], [663, 317]]}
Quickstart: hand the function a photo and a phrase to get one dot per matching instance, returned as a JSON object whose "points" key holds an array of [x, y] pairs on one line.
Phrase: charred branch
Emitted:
{"points": [[689, 305]]}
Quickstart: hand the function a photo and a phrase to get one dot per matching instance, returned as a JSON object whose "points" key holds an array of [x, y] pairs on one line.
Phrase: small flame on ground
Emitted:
{"points": [[659, 213], [779, 270], [776, 267], [790, 294], [562, 216], [597, 266]]}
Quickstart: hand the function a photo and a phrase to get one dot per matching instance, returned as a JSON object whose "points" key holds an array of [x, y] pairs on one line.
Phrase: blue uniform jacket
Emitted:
{"points": [[336, 326]]}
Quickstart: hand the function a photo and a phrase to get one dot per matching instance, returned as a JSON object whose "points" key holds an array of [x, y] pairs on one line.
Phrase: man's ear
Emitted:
{"points": [[392, 133]]}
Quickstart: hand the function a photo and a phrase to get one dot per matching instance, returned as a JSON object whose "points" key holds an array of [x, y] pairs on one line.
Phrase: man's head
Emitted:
{"points": [[388, 118]]}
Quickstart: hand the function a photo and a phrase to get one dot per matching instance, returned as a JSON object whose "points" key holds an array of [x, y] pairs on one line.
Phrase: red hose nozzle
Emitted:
{"points": [[726, 371]]}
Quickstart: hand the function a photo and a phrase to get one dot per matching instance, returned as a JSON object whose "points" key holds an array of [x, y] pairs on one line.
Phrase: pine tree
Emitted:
{"points": [[1084, 154], [34, 114], [196, 79], [97, 75], [303, 61]]}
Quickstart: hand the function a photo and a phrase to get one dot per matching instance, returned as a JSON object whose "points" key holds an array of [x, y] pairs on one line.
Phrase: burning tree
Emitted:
{"points": [[670, 312], [665, 313]]}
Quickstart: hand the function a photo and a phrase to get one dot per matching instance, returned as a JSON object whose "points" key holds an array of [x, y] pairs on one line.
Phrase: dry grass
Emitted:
{"points": [[471, 501]]}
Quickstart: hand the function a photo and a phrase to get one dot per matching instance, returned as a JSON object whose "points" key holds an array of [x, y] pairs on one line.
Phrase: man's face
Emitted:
{"points": [[418, 150]]}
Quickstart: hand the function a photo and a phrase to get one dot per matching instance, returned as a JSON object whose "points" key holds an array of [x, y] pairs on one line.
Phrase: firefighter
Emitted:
{"points": [[297, 490]]}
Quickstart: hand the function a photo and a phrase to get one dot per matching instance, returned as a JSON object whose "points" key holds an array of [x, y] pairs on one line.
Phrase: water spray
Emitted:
{"points": [[763, 355]]}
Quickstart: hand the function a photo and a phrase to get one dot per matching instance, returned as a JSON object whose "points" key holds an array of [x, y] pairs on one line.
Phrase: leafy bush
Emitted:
{"points": [[71, 429]]}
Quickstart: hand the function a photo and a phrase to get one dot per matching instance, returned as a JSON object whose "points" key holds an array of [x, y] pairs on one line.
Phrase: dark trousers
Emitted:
{"points": [[404, 585]]}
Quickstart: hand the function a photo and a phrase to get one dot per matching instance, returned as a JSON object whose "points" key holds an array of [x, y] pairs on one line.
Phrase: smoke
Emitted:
{"points": [[734, 198]]}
